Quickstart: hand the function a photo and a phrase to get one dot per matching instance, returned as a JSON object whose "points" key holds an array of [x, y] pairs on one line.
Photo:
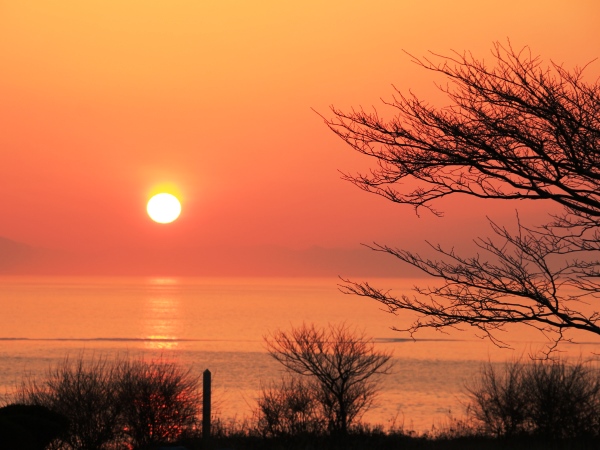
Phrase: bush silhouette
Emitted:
{"points": [[160, 402], [116, 402], [290, 409], [565, 399], [549, 399]]}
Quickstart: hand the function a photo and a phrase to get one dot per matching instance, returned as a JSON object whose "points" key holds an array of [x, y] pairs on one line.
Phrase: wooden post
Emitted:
{"points": [[206, 405]]}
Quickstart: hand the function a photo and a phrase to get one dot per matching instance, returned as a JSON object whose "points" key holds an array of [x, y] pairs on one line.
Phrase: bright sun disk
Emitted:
{"points": [[163, 208]]}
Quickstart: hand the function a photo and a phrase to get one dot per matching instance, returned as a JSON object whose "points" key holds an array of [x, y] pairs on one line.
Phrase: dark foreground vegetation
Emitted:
{"points": [[116, 404], [97, 403], [378, 440]]}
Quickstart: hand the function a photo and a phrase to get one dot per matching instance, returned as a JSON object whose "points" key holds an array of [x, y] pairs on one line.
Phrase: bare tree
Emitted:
{"points": [[342, 361], [515, 131]]}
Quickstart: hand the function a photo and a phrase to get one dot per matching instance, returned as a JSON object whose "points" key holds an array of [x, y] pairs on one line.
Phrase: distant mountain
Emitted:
{"points": [[17, 258], [14, 255], [22, 259]]}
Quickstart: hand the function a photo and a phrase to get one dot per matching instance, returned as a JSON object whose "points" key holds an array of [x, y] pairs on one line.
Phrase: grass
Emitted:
{"points": [[455, 435], [387, 442]]}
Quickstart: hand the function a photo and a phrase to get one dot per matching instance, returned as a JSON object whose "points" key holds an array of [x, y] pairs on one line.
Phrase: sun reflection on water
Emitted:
{"points": [[161, 315], [158, 342]]}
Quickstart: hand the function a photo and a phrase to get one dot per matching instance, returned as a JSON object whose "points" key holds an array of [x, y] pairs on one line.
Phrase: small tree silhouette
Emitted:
{"points": [[342, 362]]}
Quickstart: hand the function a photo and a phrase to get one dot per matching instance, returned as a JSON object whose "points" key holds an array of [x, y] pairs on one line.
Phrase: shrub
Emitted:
{"points": [[86, 392], [289, 409], [565, 399], [550, 399], [113, 404], [499, 399], [160, 402]]}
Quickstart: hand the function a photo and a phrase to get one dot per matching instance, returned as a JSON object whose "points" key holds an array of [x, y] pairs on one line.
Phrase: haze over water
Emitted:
{"points": [[219, 324]]}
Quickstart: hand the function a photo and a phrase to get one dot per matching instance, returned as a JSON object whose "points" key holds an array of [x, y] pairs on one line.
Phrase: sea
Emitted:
{"points": [[220, 324]]}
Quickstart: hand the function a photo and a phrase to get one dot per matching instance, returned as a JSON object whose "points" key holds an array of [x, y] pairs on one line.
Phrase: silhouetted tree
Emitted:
{"points": [[514, 131], [342, 362]]}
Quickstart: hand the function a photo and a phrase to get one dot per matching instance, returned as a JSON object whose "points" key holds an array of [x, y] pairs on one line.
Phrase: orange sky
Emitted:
{"points": [[103, 100]]}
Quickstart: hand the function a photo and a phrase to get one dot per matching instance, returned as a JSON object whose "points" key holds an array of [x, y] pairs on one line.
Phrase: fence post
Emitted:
{"points": [[206, 405]]}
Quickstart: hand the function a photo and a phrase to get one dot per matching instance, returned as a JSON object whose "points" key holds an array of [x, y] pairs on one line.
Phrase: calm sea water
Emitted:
{"points": [[219, 324]]}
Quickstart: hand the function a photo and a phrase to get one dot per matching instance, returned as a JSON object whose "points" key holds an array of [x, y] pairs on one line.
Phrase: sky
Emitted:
{"points": [[105, 102]]}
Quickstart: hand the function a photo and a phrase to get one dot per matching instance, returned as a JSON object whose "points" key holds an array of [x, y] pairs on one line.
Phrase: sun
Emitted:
{"points": [[163, 208]]}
